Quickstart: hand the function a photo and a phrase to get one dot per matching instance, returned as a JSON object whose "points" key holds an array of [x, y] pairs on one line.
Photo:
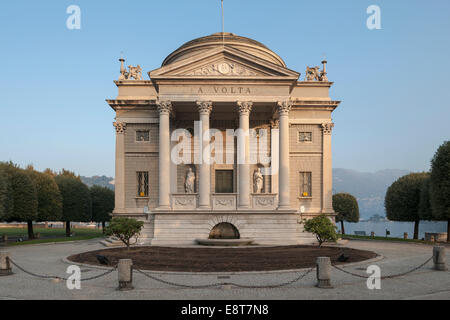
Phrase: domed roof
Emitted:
{"points": [[203, 44]]}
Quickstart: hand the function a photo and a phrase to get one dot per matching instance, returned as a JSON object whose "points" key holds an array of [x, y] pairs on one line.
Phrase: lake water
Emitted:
{"points": [[396, 228]]}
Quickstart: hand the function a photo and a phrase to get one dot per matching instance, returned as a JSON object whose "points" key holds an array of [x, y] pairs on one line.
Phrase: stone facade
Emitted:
{"points": [[228, 83]]}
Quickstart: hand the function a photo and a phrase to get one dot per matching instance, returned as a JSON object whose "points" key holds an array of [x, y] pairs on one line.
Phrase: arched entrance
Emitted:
{"points": [[224, 230]]}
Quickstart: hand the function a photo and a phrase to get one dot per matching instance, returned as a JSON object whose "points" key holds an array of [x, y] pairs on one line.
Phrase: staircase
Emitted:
{"points": [[112, 242]]}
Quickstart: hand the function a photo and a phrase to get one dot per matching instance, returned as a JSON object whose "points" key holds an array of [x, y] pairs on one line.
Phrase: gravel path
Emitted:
{"points": [[398, 257]]}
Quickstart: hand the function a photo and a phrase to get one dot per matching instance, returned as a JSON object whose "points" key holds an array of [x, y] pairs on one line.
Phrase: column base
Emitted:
{"points": [[204, 208]]}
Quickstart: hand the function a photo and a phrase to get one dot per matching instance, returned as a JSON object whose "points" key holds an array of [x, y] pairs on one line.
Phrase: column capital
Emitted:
{"points": [[275, 124], [120, 126], [164, 107], [204, 107], [284, 107], [327, 128], [244, 107]]}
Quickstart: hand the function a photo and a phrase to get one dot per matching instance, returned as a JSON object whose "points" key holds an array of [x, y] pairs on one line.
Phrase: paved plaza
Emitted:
{"points": [[398, 257]]}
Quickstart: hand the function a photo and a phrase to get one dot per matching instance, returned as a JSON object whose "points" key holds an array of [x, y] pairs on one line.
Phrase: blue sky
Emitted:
{"points": [[393, 82]]}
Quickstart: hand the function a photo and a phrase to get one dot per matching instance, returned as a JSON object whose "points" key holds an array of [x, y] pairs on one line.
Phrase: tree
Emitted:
{"points": [[102, 204], [346, 207], [440, 185], [403, 198], [425, 211], [49, 197], [125, 229], [68, 173], [24, 197], [76, 200], [323, 229], [6, 198], [4, 193]]}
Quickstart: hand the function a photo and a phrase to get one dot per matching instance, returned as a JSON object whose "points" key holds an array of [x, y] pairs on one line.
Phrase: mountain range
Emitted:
{"points": [[369, 188]]}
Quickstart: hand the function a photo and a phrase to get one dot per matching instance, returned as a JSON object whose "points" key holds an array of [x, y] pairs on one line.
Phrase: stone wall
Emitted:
{"points": [[273, 229]]}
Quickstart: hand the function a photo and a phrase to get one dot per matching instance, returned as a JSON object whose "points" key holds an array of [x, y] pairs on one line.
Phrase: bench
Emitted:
{"points": [[360, 233]]}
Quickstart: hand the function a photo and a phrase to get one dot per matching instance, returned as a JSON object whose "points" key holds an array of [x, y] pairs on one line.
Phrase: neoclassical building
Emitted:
{"points": [[272, 168]]}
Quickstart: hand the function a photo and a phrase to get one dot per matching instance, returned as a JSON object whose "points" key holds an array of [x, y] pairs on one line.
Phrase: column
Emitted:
{"points": [[204, 188], [283, 175], [327, 169], [164, 108], [245, 108], [119, 181]]}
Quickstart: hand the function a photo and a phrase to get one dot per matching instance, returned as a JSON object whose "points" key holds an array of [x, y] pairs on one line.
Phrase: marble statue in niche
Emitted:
{"points": [[258, 181], [189, 185]]}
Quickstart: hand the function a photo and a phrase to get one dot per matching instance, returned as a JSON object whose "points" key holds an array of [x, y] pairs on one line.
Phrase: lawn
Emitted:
{"points": [[49, 235], [355, 237]]}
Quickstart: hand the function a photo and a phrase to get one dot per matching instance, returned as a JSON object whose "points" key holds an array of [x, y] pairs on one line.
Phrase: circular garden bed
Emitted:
{"points": [[223, 259]]}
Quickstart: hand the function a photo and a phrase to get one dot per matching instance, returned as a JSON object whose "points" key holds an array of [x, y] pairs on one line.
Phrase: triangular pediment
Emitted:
{"points": [[223, 62]]}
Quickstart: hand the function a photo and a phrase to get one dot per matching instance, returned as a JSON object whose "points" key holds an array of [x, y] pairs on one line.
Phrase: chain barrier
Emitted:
{"points": [[57, 277], [225, 283], [217, 284], [384, 277]]}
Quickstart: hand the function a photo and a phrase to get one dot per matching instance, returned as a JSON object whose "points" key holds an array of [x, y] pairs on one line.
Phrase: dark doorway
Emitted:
{"points": [[224, 230]]}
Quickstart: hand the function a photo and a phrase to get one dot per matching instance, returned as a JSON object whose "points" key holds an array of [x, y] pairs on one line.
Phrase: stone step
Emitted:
{"points": [[112, 242]]}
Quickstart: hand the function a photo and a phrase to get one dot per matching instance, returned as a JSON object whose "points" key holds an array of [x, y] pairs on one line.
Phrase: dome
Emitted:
{"points": [[203, 44]]}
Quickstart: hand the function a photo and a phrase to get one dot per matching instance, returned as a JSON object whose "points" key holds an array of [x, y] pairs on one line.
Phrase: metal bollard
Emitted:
{"points": [[5, 264], [125, 273], [439, 258], [323, 269]]}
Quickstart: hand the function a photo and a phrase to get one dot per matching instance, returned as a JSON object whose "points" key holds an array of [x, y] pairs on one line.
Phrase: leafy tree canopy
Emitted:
{"points": [[68, 173], [425, 211], [23, 194], [5, 194], [440, 183], [49, 197], [102, 203], [346, 207], [403, 197], [76, 199]]}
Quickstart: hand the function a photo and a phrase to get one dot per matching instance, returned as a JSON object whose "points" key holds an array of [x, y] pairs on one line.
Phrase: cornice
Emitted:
{"points": [[301, 84], [133, 83], [127, 104]]}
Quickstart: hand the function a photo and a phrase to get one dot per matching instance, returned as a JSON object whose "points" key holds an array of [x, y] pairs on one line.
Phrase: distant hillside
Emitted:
{"points": [[101, 181], [368, 188]]}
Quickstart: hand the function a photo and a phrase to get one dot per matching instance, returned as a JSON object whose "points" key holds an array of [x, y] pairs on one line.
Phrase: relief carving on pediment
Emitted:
{"points": [[223, 69]]}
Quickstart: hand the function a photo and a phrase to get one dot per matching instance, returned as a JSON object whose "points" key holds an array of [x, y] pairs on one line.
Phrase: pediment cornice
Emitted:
{"points": [[226, 62]]}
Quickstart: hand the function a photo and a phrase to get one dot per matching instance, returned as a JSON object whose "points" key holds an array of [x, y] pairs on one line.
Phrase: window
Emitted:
{"points": [[142, 135], [305, 185], [305, 137], [224, 181], [142, 184]]}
